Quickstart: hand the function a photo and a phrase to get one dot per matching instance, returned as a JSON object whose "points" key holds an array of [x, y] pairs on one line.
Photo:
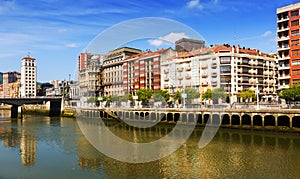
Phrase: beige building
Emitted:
{"points": [[28, 77]]}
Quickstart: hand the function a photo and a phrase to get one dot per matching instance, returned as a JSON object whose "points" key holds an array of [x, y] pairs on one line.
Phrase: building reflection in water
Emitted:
{"points": [[27, 148]]}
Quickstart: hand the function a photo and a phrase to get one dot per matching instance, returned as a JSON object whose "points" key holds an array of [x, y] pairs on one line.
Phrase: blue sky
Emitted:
{"points": [[56, 31]]}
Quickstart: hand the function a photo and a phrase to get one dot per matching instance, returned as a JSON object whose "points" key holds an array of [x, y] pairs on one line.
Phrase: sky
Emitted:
{"points": [[55, 32]]}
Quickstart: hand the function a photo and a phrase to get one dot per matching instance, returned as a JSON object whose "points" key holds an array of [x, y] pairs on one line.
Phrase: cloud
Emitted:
{"points": [[194, 4], [71, 45], [170, 38], [267, 33], [7, 6]]}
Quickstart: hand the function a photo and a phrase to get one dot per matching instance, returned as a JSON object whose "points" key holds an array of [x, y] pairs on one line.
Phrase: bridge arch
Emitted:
{"points": [[257, 120], [225, 119], [283, 121], [246, 119], [235, 119], [269, 120], [296, 121]]}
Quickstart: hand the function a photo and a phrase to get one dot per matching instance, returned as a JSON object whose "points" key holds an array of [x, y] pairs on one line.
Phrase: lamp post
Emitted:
{"points": [[257, 96]]}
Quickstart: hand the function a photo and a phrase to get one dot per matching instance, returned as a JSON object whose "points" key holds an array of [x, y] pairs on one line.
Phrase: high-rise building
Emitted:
{"points": [[288, 41], [11, 84], [28, 77]]}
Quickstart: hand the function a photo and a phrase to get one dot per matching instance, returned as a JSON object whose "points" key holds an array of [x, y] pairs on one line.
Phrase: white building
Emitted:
{"points": [[28, 77]]}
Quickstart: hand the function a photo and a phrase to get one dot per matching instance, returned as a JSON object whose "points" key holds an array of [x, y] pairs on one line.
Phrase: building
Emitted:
{"points": [[11, 84], [112, 70], [186, 45], [288, 41], [195, 69], [234, 69], [143, 70], [88, 69], [28, 77]]}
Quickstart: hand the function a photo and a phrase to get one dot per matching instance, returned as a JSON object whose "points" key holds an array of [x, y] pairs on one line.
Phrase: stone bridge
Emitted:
{"points": [[55, 104]]}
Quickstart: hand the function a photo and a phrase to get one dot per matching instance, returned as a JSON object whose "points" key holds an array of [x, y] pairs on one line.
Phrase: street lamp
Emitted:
{"points": [[257, 96]]}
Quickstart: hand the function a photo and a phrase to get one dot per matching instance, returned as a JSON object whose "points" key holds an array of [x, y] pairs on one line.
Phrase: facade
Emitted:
{"points": [[112, 70], [88, 68], [143, 70], [234, 69], [187, 45], [288, 41], [11, 84], [28, 77]]}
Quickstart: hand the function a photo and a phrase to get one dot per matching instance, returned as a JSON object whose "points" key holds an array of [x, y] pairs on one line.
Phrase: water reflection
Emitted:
{"points": [[55, 147]]}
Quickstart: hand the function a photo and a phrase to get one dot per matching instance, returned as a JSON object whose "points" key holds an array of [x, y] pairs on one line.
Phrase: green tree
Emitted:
{"points": [[126, 97], [144, 95], [177, 96], [161, 95], [292, 93], [191, 93], [218, 93], [207, 94], [247, 94]]}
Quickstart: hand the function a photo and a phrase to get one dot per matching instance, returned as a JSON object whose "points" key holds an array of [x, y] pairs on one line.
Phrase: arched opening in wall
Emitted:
{"points": [[183, 117], [191, 118], [131, 116], [246, 119], [105, 115], [126, 115], [170, 117], [296, 121], [120, 114], [206, 118], [101, 114], [284, 121], [162, 117], [257, 120], [199, 118], [142, 115], [215, 119], [136, 116], [225, 119], [153, 116], [147, 116], [176, 117], [235, 119], [269, 120]]}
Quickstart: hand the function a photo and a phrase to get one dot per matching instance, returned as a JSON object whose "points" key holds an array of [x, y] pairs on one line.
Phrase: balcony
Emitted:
{"points": [[214, 65], [214, 74], [284, 67], [204, 66], [166, 79], [166, 71], [205, 75], [166, 86], [180, 78], [281, 77], [283, 47], [282, 29], [282, 19], [188, 77], [283, 38], [180, 69], [188, 68]]}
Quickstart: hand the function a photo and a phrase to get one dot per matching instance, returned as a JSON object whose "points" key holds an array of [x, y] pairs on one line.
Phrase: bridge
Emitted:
{"points": [[55, 104]]}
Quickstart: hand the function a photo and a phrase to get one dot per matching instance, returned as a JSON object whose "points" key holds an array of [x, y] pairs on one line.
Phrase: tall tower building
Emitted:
{"points": [[288, 42], [28, 77]]}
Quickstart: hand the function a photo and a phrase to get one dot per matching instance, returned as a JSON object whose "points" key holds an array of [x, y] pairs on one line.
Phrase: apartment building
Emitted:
{"points": [[88, 72], [288, 41], [112, 70], [234, 69], [143, 70], [28, 77], [196, 69], [11, 84]]}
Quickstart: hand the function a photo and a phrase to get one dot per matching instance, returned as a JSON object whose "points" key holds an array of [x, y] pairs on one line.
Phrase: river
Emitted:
{"points": [[44, 147]]}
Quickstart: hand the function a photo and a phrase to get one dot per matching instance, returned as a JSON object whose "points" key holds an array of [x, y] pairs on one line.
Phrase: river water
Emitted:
{"points": [[44, 147]]}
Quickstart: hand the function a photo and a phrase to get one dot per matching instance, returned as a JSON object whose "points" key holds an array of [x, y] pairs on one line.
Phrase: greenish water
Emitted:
{"points": [[44, 147]]}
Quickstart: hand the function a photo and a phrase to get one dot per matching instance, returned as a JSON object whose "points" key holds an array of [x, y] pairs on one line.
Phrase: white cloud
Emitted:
{"points": [[194, 4], [71, 45], [267, 33], [170, 38], [62, 30]]}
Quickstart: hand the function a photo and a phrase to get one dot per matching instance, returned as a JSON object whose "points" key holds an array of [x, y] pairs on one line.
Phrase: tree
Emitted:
{"points": [[177, 96], [292, 93], [126, 97], [207, 94], [161, 95], [144, 95], [247, 94], [191, 93], [92, 99], [215, 95], [218, 93]]}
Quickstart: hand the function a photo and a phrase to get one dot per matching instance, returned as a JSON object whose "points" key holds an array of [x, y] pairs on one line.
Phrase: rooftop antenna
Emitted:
{"points": [[234, 37], [28, 54]]}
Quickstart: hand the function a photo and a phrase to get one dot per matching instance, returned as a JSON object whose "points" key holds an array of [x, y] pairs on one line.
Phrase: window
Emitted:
{"points": [[295, 42], [295, 33], [296, 62], [225, 69], [296, 72], [225, 60], [295, 52], [295, 13], [295, 23]]}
